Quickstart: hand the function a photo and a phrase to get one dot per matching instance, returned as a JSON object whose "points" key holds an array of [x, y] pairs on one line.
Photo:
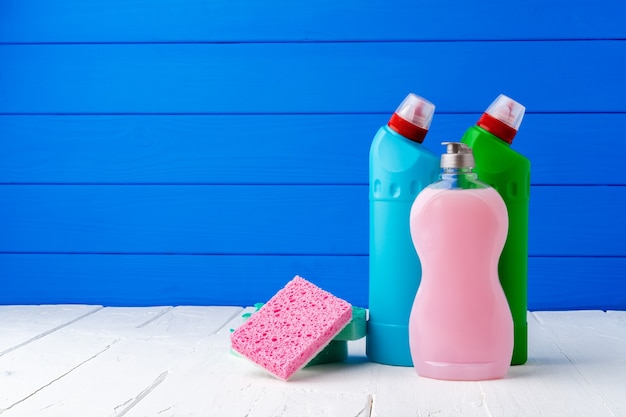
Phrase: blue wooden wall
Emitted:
{"points": [[204, 152]]}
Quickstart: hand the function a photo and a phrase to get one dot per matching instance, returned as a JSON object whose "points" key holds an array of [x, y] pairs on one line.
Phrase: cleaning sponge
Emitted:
{"points": [[291, 328], [337, 349]]}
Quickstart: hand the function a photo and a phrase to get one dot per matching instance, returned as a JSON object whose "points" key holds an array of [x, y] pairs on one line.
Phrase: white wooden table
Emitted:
{"points": [[79, 360]]}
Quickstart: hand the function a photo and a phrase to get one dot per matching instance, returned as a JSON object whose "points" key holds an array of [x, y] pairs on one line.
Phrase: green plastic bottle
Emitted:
{"points": [[509, 173]]}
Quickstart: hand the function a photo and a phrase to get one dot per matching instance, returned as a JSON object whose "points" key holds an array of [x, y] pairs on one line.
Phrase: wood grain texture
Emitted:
{"points": [[176, 362], [49, 359], [173, 279], [269, 220], [594, 345], [192, 142], [274, 149], [554, 283], [551, 383], [309, 78], [144, 359], [169, 367], [21, 324], [576, 283], [281, 20]]}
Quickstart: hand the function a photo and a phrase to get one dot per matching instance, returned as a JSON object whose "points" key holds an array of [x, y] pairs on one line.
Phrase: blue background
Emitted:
{"points": [[205, 152]]}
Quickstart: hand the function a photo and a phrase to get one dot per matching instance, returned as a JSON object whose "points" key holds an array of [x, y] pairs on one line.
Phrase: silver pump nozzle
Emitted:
{"points": [[458, 155]]}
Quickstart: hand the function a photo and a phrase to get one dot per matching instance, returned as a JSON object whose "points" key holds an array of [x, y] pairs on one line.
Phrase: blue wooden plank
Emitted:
{"points": [[577, 283], [577, 221], [183, 219], [204, 280], [310, 77], [283, 20], [167, 280], [274, 149], [278, 149], [271, 220], [139, 280]]}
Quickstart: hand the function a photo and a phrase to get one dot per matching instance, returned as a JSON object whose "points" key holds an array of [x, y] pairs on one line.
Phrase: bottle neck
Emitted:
{"points": [[457, 172], [459, 178]]}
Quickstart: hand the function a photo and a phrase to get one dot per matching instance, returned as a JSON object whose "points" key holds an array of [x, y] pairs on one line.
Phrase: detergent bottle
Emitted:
{"points": [[399, 168], [461, 326], [509, 173]]}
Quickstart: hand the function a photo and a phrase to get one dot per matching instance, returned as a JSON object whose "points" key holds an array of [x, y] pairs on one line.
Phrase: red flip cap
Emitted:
{"points": [[412, 118], [502, 118], [407, 129], [497, 128]]}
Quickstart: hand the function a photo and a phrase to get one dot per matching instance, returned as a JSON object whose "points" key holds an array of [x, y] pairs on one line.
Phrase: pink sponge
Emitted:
{"points": [[291, 328]]}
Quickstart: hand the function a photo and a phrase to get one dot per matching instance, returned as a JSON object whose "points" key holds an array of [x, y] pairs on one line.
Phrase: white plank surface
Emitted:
{"points": [[165, 361], [116, 357], [595, 346], [20, 325]]}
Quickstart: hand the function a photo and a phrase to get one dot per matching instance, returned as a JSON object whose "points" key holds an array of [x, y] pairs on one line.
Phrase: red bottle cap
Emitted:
{"points": [[502, 118], [412, 118]]}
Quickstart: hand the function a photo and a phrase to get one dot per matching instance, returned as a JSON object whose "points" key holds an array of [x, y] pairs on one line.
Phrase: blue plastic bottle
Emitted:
{"points": [[399, 167]]}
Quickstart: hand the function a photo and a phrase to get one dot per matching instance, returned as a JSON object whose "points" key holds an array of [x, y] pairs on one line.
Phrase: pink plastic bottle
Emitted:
{"points": [[461, 326]]}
